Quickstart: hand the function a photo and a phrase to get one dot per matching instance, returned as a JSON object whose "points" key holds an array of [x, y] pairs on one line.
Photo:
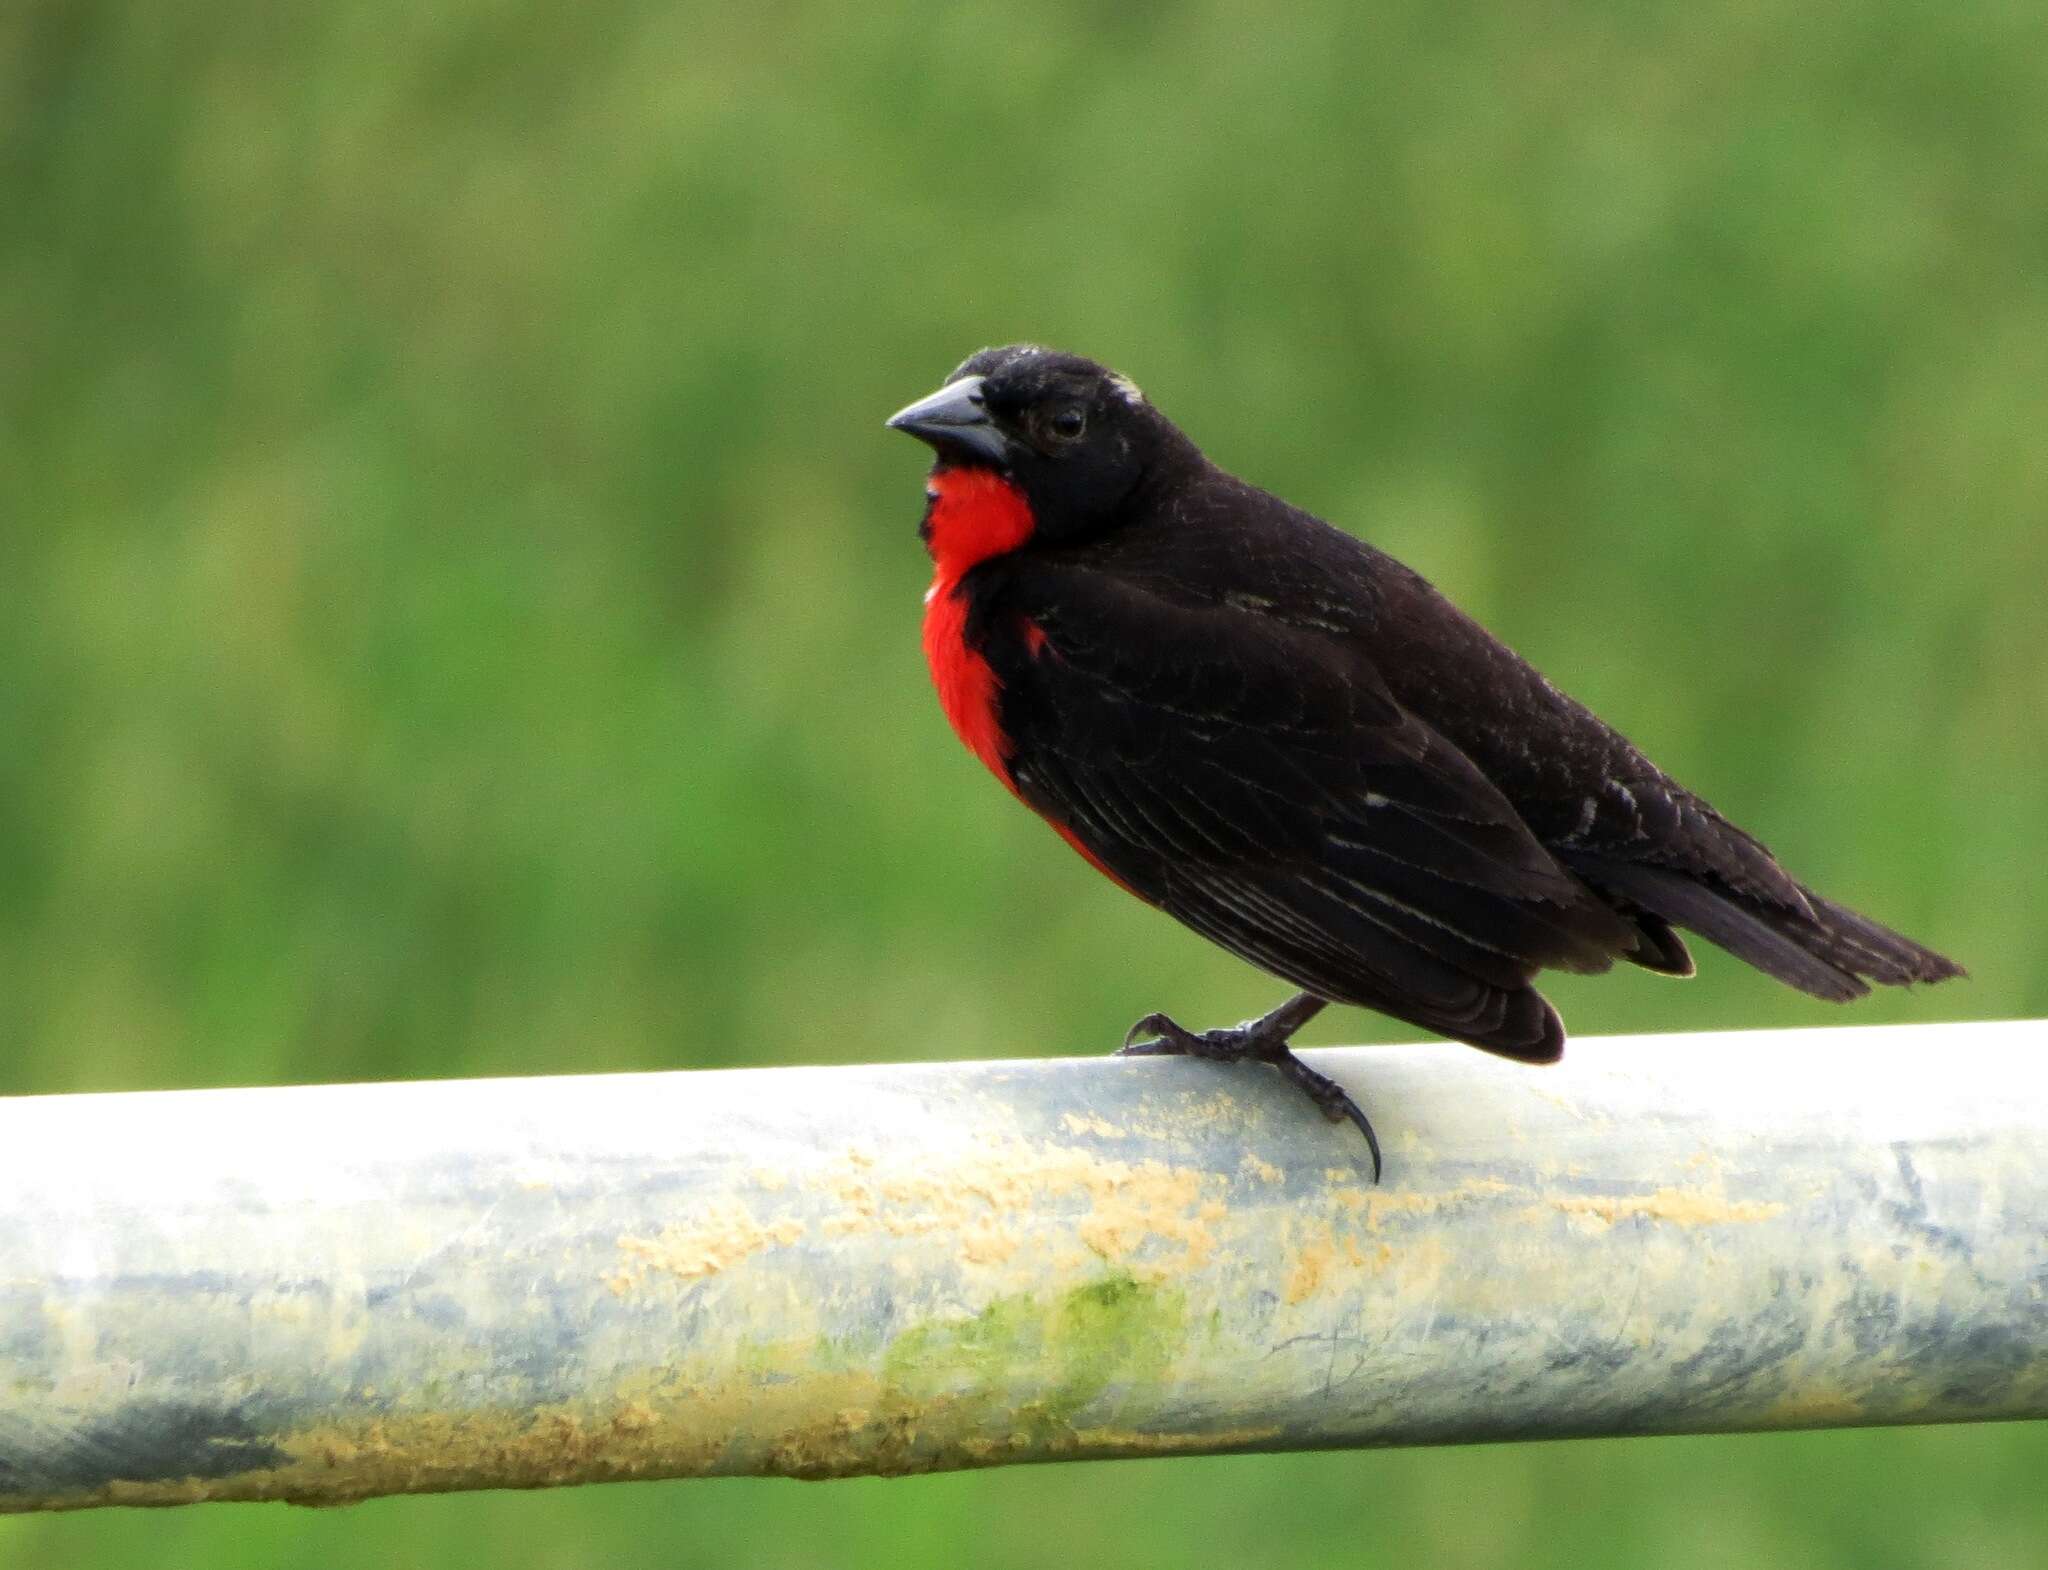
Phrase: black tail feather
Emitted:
{"points": [[1719, 919], [1833, 953], [1868, 948]]}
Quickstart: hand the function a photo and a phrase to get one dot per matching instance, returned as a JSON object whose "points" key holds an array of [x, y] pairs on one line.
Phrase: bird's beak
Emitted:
{"points": [[954, 422]]}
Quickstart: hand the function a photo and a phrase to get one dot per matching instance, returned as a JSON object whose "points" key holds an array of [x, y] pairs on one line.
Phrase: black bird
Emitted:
{"points": [[1296, 746]]}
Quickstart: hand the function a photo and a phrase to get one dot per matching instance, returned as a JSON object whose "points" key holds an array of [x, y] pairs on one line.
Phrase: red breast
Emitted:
{"points": [[974, 514]]}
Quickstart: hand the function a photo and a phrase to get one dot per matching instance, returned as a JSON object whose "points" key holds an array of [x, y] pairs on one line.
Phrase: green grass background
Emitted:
{"points": [[461, 608]]}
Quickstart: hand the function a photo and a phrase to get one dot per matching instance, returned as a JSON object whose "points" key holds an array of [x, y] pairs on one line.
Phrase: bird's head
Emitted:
{"points": [[1073, 436]]}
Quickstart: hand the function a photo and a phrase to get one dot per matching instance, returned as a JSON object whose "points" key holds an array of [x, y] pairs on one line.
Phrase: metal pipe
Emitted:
{"points": [[333, 1292]]}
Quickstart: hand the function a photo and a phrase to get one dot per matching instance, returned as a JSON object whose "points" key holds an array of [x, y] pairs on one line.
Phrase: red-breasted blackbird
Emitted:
{"points": [[1296, 746]]}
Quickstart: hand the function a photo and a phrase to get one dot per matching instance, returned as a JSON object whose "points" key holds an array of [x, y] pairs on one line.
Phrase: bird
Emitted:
{"points": [[1296, 746]]}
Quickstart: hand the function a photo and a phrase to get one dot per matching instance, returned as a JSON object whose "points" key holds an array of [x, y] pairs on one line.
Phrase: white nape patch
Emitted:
{"points": [[1126, 389]]}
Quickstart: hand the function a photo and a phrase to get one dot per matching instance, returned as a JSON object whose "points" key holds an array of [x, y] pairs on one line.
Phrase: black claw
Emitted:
{"points": [[1262, 1039], [1156, 1025], [1352, 1110], [1332, 1098]]}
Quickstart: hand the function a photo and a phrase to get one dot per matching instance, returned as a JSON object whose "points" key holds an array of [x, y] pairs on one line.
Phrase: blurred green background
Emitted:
{"points": [[461, 607]]}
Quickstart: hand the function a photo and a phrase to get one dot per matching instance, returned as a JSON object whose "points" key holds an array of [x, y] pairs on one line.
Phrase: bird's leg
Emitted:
{"points": [[1264, 1040]]}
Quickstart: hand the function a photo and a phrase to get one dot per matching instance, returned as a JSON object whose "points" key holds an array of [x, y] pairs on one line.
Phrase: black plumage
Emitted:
{"points": [[1295, 745]]}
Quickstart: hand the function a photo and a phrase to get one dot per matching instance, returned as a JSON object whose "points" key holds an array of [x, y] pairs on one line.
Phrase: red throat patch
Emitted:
{"points": [[975, 514]]}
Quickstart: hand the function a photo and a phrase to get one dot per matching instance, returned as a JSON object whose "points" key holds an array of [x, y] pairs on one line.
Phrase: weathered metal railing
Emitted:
{"points": [[333, 1292]]}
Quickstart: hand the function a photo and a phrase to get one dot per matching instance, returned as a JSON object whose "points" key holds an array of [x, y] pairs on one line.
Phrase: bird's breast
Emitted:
{"points": [[968, 688], [966, 684], [971, 515]]}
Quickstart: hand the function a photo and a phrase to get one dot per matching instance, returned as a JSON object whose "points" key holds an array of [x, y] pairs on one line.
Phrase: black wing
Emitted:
{"points": [[1257, 781], [1655, 850]]}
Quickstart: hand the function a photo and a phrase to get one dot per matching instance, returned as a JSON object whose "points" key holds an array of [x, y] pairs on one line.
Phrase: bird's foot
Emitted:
{"points": [[1261, 1040], [1159, 1035]]}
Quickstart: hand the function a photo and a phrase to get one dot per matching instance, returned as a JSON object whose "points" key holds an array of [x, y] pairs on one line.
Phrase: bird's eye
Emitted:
{"points": [[1068, 423]]}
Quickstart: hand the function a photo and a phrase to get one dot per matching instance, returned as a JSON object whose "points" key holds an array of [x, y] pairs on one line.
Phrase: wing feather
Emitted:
{"points": [[1257, 781]]}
